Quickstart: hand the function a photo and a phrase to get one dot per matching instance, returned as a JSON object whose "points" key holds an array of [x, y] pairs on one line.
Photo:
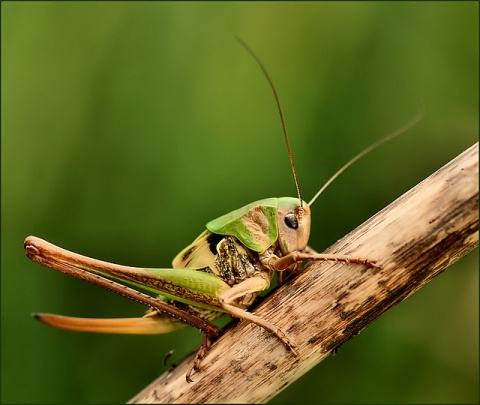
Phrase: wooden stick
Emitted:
{"points": [[414, 239]]}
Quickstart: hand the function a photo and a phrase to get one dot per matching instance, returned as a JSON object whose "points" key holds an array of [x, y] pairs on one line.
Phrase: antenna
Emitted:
{"points": [[394, 134], [264, 70]]}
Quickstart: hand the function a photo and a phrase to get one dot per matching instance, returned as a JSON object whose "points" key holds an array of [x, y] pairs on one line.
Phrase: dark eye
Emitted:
{"points": [[291, 221]]}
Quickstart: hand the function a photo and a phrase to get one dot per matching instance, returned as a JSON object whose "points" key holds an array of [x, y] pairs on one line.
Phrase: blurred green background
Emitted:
{"points": [[127, 126]]}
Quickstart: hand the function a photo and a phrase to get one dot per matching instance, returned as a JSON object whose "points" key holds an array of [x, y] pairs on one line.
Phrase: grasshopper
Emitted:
{"points": [[222, 271]]}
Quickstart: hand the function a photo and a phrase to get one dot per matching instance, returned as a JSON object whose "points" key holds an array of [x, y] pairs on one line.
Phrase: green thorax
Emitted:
{"points": [[255, 224]]}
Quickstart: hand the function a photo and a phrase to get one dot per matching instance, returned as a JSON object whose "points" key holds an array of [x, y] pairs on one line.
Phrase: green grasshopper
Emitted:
{"points": [[222, 271]]}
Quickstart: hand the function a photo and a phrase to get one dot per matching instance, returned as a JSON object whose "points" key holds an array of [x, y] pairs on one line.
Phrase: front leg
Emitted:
{"points": [[252, 285], [282, 263]]}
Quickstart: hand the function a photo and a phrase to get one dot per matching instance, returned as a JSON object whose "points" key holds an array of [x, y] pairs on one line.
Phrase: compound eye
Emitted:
{"points": [[291, 221]]}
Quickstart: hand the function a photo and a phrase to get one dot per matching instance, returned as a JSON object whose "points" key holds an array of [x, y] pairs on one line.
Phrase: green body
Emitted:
{"points": [[223, 270], [225, 254]]}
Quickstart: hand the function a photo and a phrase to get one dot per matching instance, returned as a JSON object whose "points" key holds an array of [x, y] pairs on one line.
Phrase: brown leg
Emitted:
{"points": [[253, 285], [295, 257], [201, 353]]}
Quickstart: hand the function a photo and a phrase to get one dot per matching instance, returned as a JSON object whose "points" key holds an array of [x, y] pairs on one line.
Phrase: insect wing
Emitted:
{"points": [[200, 254]]}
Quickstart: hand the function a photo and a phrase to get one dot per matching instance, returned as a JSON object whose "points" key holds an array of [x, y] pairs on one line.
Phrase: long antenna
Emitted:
{"points": [[394, 134], [264, 70]]}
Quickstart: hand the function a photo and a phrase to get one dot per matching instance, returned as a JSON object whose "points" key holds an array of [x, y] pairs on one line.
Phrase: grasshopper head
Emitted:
{"points": [[293, 221]]}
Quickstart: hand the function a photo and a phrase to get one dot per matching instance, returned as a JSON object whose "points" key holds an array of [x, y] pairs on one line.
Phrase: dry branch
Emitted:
{"points": [[415, 238]]}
